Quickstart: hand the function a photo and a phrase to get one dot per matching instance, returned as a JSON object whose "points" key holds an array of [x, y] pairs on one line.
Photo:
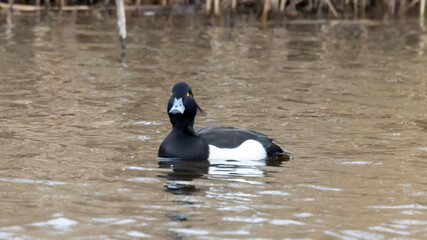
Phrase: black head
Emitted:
{"points": [[182, 107]]}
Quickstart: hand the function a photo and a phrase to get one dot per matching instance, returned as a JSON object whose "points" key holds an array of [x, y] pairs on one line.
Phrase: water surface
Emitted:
{"points": [[80, 128]]}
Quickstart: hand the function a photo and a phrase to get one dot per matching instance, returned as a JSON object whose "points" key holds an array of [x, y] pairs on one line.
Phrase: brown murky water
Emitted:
{"points": [[80, 129]]}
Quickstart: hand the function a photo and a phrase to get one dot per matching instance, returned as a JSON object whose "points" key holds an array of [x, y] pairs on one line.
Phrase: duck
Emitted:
{"points": [[213, 142]]}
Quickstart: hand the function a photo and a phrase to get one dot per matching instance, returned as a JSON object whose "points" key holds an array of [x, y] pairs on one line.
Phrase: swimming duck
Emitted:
{"points": [[210, 143]]}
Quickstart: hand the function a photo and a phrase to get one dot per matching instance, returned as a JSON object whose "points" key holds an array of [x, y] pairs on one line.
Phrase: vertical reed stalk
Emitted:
{"points": [[275, 5], [402, 8], [216, 8], [137, 4], [47, 4], [265, 10], [363, 8], [292, 5], [121, 23], [310, 5], [392, 7], [422, 8], [11, 5], [208, 6], [319, 7], [37, 3], [233, 5], [355, 5], [282, 5], [61, 4]]}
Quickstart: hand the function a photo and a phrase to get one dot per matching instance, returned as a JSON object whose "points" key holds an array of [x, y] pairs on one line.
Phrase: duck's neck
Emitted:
{"points": [[183, 125]]}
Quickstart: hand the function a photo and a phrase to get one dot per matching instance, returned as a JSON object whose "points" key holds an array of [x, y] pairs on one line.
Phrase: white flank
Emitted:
{"points": [[248, 150]]}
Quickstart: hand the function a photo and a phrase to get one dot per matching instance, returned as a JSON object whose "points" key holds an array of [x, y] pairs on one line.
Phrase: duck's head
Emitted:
{"points": [[182, 105]]}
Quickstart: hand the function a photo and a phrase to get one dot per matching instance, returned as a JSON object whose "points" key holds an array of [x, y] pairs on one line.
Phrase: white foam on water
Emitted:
{"points": [[138, 234], [12, 228], [321, 187], [57, 223], [238, 232], [143, 138], [389, 230], [190, 231], [234, 208], [124, 221], [104, 220], [138, 168], [243, 181], [410, 222], [6, 235], [277, 193], [330, 233], [363, 235], [245, 219], [143, 179], [286, 222], [29, 181], [303, 214], [410, 212], [409, 206], [297, 239], [357, 163], [147, 123]]}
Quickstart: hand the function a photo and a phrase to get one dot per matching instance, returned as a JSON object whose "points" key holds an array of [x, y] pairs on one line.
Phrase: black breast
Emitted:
{"points": [[184, 146]]}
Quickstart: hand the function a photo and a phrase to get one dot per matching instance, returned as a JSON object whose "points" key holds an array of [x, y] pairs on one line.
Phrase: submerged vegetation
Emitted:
{"points": [[264, 8]]}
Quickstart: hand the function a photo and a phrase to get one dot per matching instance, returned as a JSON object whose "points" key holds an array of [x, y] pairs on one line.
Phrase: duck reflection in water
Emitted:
{"points": [[185, 171]]}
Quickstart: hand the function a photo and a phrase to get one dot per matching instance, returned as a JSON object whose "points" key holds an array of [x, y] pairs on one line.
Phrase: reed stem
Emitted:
{"points": [[337, 7], [331, 7], [265, 10], [121, 22], [208, 6], [355, 5], [282, 5], [216, 8]]}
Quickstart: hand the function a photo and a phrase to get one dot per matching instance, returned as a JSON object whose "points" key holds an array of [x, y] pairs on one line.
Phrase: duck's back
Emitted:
{"points": [[241, 139]]}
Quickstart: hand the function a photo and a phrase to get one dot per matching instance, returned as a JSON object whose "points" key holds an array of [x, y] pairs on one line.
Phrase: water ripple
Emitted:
{"points": [[389, 230], [57, 223], [245, 219], [409, 206], [285, 222], [29, 181], [190, 231], [143, 179], [277, 193], [138, 234], [321, 188]]}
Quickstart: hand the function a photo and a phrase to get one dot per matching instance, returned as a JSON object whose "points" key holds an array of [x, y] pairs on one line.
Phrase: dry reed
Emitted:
{"points": [[329, 8]]}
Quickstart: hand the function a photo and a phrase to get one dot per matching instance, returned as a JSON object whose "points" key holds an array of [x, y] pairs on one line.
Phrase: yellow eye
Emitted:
{"points": [[188, 94], [171, 93]]}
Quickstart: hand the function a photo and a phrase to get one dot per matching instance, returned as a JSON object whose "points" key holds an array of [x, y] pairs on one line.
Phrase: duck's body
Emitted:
{"points": [[210, 143]]}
